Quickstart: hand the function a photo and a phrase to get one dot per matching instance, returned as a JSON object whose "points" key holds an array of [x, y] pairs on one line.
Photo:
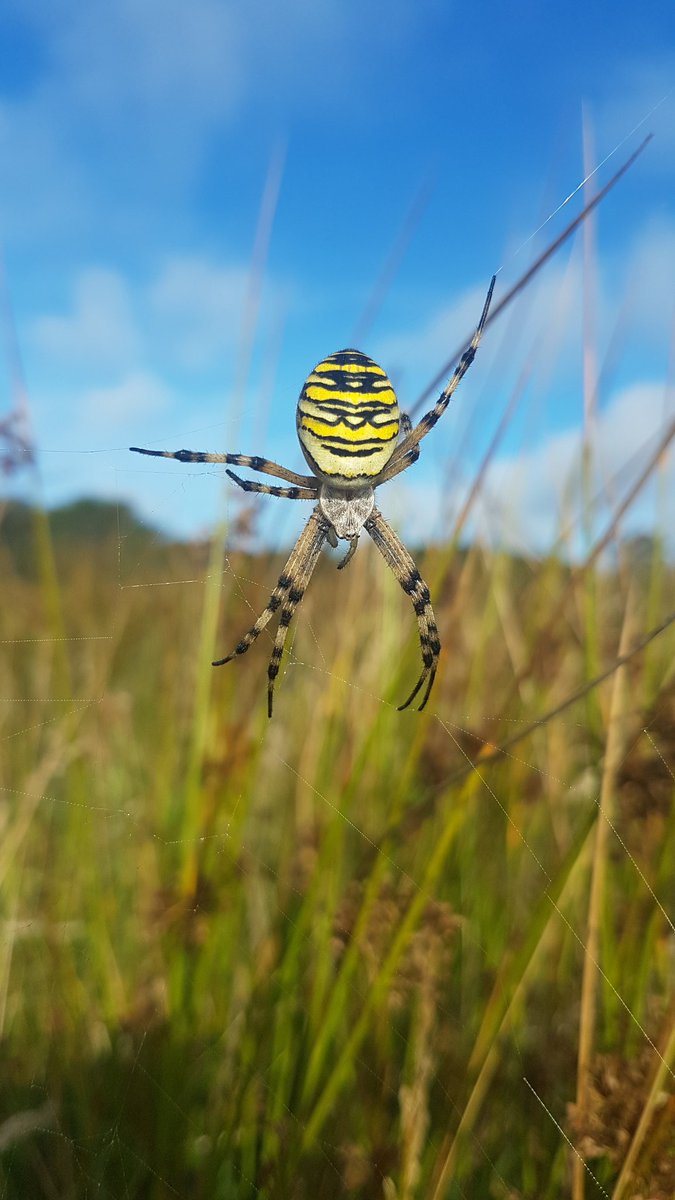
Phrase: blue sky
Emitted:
{"points": [[137, 141]]}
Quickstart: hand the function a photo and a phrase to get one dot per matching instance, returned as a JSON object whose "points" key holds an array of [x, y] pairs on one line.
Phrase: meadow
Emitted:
{"points": [[349, 951]]}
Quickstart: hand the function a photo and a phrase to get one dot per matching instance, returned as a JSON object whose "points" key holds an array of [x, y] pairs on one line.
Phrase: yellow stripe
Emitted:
{"points": [[368, 433], [350, 414], [323, 394]]}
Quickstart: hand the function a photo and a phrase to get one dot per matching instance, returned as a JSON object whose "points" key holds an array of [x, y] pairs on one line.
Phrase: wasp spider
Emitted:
{"points": [[354, 438]]}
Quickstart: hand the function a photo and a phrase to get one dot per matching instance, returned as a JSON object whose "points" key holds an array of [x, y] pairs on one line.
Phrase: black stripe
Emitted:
{"points": [[339, 446], [333, 439], [341, 415], [352, 380], [348, 356], [351, 453]]}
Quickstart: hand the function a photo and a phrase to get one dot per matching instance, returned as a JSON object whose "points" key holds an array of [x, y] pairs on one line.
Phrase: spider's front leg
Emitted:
{"points": [[397, 465], [404, 455], [253, 461]]}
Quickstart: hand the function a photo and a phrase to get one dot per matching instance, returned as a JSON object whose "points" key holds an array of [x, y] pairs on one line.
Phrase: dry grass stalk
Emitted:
{"points": [[589, 989]]}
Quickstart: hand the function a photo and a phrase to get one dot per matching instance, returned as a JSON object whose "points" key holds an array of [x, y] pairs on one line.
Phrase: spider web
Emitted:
{"points": [[411, 804]]}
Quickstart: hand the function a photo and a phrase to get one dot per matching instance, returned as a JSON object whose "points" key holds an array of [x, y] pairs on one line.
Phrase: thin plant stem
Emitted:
{"points": [[590, 978]]}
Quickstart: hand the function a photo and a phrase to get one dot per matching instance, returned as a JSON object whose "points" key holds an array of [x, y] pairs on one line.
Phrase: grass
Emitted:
{"points": [[349, 951]]}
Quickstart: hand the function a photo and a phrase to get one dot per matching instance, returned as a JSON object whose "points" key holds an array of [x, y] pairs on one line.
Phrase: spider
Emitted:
{"points": [[354, 438]]}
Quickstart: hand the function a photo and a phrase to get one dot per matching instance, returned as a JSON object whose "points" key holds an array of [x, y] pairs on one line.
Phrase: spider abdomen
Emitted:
{"points": [[347, 419]]}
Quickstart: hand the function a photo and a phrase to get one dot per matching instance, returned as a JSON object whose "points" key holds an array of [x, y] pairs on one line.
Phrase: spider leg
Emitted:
{"points": [[287, 595], [401, 563], [396, 468], [254, 462], [350, 553], [295, 594], [409, 457], [289, 493], [401, 459]]}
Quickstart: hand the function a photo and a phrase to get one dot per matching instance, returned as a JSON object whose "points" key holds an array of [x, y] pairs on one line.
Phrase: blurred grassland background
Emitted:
{"points": [[350, 951]]}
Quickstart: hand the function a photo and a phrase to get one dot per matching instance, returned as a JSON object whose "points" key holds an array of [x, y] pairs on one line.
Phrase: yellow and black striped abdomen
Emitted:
{"points": [[348, 419]]}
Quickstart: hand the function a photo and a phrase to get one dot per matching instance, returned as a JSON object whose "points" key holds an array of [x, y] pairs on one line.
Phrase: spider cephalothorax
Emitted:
{"points": [[354, 438]]}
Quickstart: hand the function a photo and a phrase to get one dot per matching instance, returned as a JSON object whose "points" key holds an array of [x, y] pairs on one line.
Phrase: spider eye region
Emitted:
{"points": [[348, 419]]}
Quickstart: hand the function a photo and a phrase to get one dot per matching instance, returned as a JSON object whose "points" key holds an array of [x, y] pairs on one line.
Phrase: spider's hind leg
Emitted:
{"points": [[287, 595], [430, 643], [401, 563]]}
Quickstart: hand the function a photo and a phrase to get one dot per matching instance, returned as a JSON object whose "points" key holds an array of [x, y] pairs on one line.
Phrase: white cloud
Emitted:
{"points": [[540, 491], [130, 89], [43, 183], [550, 300], [207, 55], [632, 422], [140, 87], [527, 500], [150, 55], [137, 396], [649, 269], [198, 306], [136, 57], [642, 87], [424, 347], [188, 316], [99, 330], [543, 330]]}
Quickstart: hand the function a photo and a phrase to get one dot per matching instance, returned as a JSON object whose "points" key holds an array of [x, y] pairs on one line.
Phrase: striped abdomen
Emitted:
{"points": [[348, 419]]}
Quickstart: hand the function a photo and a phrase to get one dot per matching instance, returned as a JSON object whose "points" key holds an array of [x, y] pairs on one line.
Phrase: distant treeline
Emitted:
{"points": [[87, 524]]}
